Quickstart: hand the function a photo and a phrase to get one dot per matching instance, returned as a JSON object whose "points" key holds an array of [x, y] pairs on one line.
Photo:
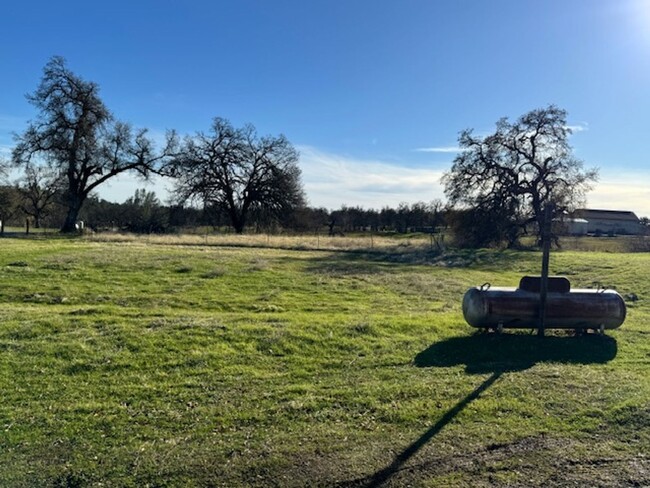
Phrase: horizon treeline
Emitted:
{"points": [[144, 212]]}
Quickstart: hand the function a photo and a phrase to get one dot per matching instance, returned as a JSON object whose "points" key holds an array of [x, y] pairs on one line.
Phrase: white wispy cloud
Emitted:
{"points": [[332, 180], [439, 149], [622, 192], [582, 127]]}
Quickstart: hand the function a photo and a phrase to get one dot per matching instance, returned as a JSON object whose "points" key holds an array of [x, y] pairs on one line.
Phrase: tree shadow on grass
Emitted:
{"points": [[496, 354]]}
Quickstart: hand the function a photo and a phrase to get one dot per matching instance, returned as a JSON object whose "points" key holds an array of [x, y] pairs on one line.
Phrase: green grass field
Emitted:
{"points": [[154, 364]]}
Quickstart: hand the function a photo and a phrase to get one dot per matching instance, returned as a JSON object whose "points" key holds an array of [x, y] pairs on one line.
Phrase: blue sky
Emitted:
{"points": [[360, 87]]}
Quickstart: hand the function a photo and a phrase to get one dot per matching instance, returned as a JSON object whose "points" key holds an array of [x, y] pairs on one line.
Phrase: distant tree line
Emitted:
{"points": [[500, 187], [145, 213]]}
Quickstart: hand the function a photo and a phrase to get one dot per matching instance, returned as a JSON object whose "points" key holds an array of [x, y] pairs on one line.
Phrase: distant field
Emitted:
{"points": [[197, 363], [365, 241]]}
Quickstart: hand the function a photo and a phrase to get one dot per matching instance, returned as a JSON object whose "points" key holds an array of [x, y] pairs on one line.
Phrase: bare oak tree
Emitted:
{"points": [[517, 171], [76, 135], [39, 188], [238, 171]]}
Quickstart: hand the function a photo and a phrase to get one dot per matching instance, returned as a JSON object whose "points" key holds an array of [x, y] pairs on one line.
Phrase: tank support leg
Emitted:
{"points": [[499, 327], [601, 329]]}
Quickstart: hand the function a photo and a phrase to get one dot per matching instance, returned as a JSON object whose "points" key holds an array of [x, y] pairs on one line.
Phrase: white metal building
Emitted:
{"points": [[609, 221]]}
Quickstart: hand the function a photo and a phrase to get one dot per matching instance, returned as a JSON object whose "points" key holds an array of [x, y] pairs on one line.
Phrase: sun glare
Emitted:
{"points": [[641, 17]]}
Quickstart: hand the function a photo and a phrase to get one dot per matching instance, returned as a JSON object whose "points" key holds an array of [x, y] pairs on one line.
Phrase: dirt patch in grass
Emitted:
{"points": [[532, 461]]}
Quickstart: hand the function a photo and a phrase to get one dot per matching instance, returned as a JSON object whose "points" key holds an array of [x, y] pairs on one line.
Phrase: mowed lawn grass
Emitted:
{"points": [[131, 364]]}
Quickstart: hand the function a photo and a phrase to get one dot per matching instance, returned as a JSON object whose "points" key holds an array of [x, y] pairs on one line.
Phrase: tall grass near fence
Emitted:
{"points": [[377, 242]]}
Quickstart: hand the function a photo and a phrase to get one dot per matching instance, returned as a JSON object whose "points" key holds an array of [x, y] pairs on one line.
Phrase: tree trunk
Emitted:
{"points": [[330, 226], [237, 219], [238, 226], [74, 206]]}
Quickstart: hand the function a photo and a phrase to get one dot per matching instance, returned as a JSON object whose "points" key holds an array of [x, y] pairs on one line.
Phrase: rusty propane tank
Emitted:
{"points": [[496, 308]]}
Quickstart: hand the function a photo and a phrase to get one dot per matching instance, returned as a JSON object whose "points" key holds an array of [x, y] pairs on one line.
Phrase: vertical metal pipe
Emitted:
{"points": [[546, 251]]}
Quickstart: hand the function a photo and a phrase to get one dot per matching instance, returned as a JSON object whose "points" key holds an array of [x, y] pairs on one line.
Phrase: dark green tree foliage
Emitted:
{"points": [[143, 212], [309, 219], [510, 176], [10, 206], [77, 137], [99, 214], [238, 171], [417, 217], [482, 227]]}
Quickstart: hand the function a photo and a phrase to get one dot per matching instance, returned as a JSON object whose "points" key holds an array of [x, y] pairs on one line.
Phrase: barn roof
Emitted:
{"points": [[587, 213]]}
